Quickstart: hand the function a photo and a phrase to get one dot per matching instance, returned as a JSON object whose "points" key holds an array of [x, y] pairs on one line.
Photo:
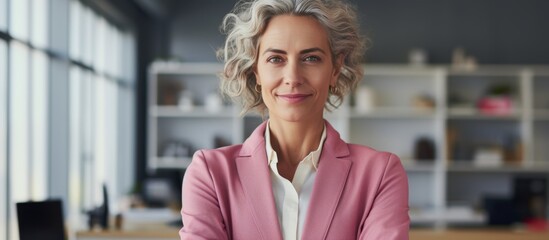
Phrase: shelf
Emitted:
{"points": [[197, 112], [464, 216], [418, 166], [475, 114], [394, 113], [506, 168], [487, 71], [172, 162], [423, 217], [400, 70], [452, 216]]}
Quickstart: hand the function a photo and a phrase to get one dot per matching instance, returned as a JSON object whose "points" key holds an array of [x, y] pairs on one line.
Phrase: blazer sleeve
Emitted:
{"points": [[200, 210], [388, 219]]}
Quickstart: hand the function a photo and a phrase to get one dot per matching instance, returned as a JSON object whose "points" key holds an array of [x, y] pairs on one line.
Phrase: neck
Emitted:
{"points": [[293, 141]]}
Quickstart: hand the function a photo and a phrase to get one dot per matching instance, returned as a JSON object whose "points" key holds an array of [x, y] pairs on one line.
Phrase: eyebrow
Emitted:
{"points": [[304, 51]]}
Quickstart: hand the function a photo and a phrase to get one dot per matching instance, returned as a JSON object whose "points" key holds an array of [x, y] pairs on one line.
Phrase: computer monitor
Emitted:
{"points": [[41, 220]]}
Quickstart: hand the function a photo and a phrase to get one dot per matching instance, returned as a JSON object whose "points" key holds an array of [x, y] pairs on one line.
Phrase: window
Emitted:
{"points": [[28, 115], [85, 111], [88, 21], [39, 118], [105, 164], [3, 135], [19, 19], [100, 138], [128, 57], [76, 31], [109, 52], [3, 16], [76, 109], [19, 142], [39, 34], [126, 110], [100, 29], [82, 133]]}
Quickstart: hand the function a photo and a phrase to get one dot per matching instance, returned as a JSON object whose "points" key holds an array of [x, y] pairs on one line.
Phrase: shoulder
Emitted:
{"points": [[218, 153], [212, 166], [214, 158]]}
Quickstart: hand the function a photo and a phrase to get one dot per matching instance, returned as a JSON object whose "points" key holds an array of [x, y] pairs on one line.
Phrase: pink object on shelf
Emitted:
{"points": [[495, 105], [537, 224]]}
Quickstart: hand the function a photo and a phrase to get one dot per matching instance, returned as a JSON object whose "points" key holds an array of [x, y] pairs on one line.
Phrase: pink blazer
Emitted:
{"points": [[359, 193]]}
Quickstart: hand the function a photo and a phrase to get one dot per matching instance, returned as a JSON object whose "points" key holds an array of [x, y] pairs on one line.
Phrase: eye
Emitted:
{"points": [[274, 59], [311, 59]]}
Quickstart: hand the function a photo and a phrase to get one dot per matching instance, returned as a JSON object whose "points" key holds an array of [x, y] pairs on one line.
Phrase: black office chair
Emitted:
{"points": [[41, 220]]}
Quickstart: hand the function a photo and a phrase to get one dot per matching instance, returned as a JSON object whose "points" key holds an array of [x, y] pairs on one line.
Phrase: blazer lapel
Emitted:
{"points": [[333, 169], [254, 174]]}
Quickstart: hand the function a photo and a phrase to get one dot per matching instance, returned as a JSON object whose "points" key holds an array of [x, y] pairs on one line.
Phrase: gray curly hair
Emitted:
{"points": [[247, 22]]}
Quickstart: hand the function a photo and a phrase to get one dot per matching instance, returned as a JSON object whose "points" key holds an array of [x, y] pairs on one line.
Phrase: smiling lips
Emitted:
{"points": [[293, 98]]}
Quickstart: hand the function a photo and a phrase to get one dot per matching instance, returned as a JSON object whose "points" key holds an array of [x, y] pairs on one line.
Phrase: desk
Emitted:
{"points": [[476, 234], [139, 232], [415, 234], [128, 235]]}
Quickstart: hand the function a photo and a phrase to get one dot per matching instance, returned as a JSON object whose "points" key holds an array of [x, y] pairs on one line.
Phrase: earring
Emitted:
{"points": [[333, 89], [257, 88]]}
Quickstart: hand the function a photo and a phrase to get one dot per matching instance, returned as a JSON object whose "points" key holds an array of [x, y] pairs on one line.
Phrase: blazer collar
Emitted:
{"points": [[333, 169], [331, 177], [253, 171]]}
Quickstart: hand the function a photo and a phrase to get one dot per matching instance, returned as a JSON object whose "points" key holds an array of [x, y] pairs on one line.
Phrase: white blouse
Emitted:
{"points": [[292, 198]]}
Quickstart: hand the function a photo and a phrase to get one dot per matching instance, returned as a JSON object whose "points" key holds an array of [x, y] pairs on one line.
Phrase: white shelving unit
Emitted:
{"points": [[188, 129], [439, 187]]}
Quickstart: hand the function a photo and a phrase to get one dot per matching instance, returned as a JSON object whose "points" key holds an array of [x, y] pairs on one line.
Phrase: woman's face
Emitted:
{"points": [[295, 68]]}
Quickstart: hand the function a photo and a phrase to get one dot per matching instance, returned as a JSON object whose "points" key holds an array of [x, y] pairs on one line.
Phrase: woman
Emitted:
{"points": [[293, 178]]}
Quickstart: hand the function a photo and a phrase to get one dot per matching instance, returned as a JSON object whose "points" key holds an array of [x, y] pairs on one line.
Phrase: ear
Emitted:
{"points": [[256, 75], [338, 63]]}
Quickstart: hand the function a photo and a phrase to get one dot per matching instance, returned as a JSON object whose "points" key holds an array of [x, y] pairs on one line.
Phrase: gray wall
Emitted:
{"points": [[194, 32], [494, 31]]}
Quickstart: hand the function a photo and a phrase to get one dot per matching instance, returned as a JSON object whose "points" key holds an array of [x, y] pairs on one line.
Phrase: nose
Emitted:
{"points": [[292, 74]]}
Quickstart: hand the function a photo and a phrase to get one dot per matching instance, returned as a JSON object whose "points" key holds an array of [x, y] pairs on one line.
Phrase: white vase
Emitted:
{"points": [[364, 99]]}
